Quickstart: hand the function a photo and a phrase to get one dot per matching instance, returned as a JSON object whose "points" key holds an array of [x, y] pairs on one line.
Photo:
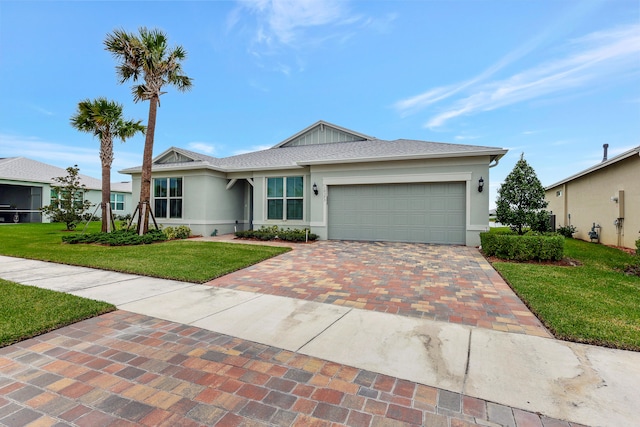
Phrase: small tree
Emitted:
{"points": [[69, 205], [521, 200], [103, 118]]}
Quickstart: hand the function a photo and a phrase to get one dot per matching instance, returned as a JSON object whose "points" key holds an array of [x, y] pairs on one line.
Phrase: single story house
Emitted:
{"points": [[25, 187], [338, 183], [606, 195]]}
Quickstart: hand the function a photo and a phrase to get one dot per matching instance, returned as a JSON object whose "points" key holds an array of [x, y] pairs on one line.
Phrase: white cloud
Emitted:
{"points": [[251, 149], [283, 21], [596, 57], [202, 147], [465, 137], [41, 110]]}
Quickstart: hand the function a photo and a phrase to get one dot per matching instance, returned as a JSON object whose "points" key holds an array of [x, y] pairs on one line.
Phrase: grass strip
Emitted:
{"points": [[27, 311], [593, 303], [184, 260]]}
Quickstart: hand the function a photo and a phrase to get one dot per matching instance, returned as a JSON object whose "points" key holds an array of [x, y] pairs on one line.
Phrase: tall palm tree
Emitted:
{"points": [[147, 57], [103, 118]]}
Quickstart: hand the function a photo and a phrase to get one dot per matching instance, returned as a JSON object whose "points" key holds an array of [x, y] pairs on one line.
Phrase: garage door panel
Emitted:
{"points": [[455, 204], [417, 220], [454, 219], [415, 212]]}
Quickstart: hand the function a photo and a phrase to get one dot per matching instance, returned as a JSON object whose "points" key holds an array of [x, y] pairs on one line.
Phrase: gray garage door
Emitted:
{"points": [[416, 212]]}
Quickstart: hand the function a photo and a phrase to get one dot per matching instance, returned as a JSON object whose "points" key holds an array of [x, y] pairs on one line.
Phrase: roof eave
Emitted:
{"points": [[599, 166], [497, 154], [178, 166], [266, 168]]}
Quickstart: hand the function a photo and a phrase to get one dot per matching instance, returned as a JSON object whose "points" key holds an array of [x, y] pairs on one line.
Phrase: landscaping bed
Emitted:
{"points": [[185, 260], [585, 297]]}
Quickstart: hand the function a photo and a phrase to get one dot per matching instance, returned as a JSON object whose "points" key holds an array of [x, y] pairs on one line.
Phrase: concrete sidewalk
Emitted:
{"points": [[573, 382]]}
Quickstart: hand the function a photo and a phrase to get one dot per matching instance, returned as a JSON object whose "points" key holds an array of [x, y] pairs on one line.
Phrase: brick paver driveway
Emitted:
{"points": [[447, 283], [124, 369]]}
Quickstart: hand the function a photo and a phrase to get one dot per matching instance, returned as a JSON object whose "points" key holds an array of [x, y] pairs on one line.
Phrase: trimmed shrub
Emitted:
{"points": [[534, 246], [566, 231], [179, 232], [117, 238], [273, 232]]}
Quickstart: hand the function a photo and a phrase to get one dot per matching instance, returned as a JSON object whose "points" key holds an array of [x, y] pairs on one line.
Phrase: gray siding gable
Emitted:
{"points": [[322, 132], [180, 155]]}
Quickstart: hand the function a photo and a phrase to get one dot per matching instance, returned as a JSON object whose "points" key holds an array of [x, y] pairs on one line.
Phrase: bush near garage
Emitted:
{"points": [[528, 247], [274, 232]]}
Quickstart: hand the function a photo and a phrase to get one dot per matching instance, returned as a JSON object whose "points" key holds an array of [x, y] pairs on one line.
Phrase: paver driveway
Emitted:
{"points": [[447, 283]]}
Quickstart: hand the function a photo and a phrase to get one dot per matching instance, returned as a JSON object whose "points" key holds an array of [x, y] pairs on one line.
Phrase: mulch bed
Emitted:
{"points": [[564, 262]]}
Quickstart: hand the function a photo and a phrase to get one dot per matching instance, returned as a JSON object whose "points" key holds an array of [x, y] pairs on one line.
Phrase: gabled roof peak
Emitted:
{"points": [[322, 132], [179, 155]]}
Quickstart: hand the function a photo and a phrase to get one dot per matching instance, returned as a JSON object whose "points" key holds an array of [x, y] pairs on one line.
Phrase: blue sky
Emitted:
{"points": [[551, 79]]}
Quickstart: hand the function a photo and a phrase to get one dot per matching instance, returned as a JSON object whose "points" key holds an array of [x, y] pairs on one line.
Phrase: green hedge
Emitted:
{"points": [[272, 233], [523, 248], [116, 238]]}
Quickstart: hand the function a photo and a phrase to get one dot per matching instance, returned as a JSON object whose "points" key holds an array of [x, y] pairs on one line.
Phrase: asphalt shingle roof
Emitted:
{"points": [[28, 170], [339, 152]]}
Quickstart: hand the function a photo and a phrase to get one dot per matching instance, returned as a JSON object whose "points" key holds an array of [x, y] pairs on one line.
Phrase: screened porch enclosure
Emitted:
{"points": [[21, 200]]}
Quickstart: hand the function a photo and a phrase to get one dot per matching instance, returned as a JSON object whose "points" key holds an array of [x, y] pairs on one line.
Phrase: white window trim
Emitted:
{"points": [[115, 201], [284, 198], [168, 198]]}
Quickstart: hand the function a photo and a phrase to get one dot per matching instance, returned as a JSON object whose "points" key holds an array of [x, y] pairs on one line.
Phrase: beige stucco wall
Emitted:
{"points": [[587, 200]]}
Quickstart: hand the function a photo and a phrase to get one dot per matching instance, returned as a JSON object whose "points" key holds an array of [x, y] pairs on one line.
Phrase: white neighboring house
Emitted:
{"points": [[25, 186]]}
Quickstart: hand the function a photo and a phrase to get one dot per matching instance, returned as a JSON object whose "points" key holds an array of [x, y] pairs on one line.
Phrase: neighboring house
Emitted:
{"points": [[607, 195], [338, 183], [25, 187]]}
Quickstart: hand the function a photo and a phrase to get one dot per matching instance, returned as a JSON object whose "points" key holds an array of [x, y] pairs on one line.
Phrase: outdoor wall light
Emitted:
{"points": [[315, 188], [480, 185]]}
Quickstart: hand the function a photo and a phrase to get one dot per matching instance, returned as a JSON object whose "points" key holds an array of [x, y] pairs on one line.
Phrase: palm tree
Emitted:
{"points": [[147, 57], [103, 118]]}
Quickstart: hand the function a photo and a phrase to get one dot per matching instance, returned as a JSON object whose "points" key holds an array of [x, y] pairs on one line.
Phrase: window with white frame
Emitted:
{"points": [[117, 202], [167, 196], [285, 199], [60, 199]]}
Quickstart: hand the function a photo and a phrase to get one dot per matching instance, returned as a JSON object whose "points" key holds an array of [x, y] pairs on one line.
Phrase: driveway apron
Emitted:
{"points": [[447, 283]]}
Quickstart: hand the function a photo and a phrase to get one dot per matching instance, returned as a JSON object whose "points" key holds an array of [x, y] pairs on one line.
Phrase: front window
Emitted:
{"points": [[117, 202], [61, 200], [167, 195], [285, 198]]}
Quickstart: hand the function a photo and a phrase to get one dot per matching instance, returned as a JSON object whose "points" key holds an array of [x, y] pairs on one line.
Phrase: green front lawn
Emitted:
{"points": [[592, 303], [184, 260], [26, 311]]}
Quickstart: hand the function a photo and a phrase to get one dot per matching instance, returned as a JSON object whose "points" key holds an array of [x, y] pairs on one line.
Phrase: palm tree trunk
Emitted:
{"points": [[106, 157], [147, 158]]}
